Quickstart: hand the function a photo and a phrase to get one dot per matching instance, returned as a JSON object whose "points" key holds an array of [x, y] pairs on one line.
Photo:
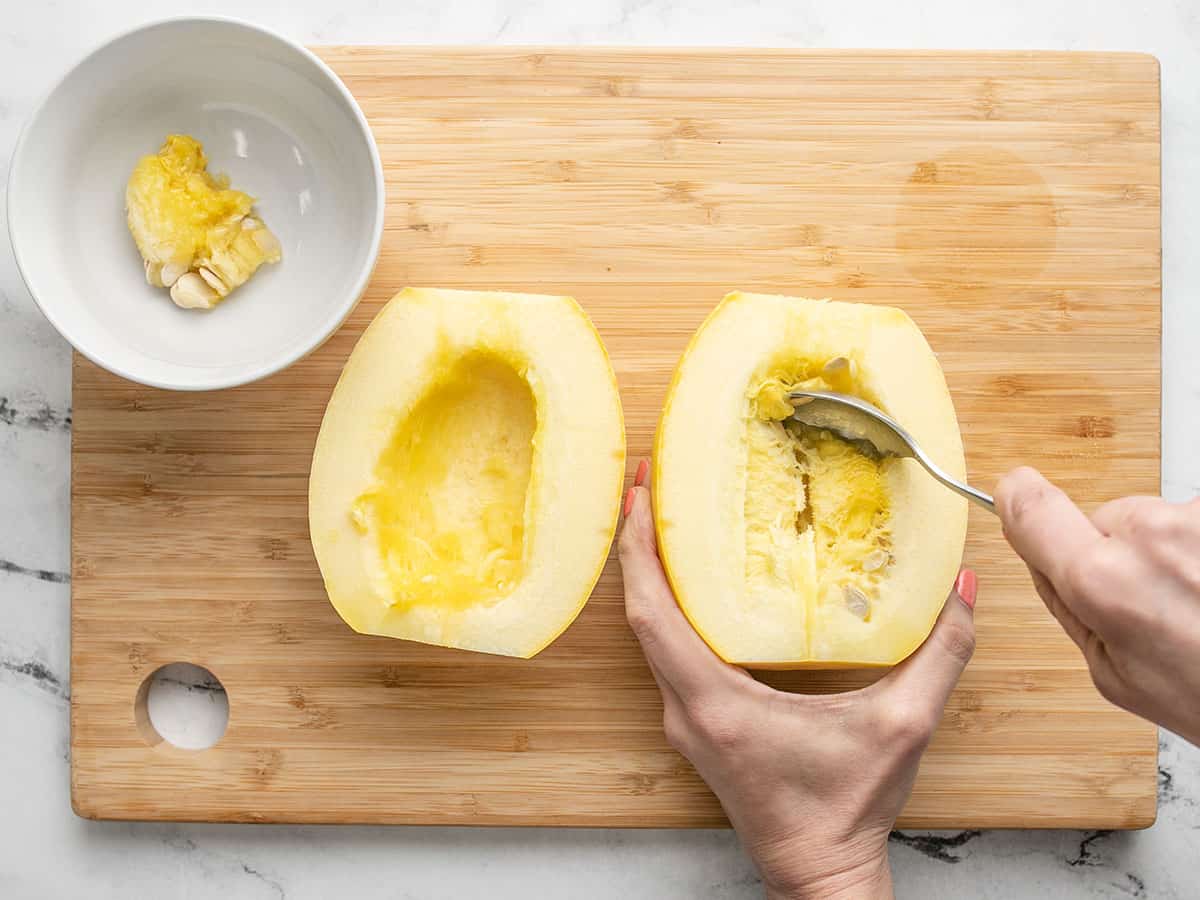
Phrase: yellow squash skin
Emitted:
{"points": [[438, 502], [787, 548]]}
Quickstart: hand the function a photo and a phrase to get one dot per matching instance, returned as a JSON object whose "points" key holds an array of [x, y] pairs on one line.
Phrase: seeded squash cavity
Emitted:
{"points": [[788, 547]]}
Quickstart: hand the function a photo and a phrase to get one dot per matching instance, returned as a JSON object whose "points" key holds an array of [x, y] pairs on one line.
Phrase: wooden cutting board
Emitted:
{"points": [[1009, 202]]}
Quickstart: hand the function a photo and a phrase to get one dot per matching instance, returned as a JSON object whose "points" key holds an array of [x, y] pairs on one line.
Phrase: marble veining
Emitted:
{"points": [[37, 673], [25, 413], [933, 846], [45, 851], [13, 568]]}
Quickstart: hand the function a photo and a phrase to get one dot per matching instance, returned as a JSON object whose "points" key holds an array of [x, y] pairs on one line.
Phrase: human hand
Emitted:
{"points": [[1125, 586], [812, 783]]}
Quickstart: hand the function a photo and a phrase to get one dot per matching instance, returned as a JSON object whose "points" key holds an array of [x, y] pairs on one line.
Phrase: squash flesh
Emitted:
{"points": [[448, 511], [787, 547], [466, 480], [815, 508]]}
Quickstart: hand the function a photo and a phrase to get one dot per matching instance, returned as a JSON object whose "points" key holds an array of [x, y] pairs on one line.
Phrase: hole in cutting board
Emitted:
{"points": [[184, 705]]}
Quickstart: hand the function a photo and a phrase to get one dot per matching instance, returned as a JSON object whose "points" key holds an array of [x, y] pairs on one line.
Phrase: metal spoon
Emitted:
{"points": [[877, 434]]}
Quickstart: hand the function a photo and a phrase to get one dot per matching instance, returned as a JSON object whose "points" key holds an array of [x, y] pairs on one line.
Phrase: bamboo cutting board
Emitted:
{"points": [[1009, 202]]}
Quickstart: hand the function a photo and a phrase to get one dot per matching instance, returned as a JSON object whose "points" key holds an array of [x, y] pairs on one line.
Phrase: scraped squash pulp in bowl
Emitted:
{"points": [[787, 546], [466, 479]]}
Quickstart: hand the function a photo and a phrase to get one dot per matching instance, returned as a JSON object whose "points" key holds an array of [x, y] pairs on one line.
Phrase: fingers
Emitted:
{"points": [[1086, 570], [676, 653], [926, 678], [1075, 629], [1046, 529], [1116, 516]]}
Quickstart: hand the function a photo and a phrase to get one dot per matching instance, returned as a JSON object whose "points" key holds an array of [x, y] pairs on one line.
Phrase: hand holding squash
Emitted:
{"points": [[1125, 586], [812, 783]]}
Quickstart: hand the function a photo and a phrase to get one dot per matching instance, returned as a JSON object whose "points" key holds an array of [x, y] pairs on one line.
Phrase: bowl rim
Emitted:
{"points": [[251, 373]]}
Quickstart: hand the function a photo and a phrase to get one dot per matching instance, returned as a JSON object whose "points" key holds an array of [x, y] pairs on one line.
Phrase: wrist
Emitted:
{"points": [[867, 880]]}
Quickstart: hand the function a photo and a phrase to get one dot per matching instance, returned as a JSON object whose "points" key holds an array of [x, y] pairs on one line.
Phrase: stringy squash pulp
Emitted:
{"points": [[786, 545]]}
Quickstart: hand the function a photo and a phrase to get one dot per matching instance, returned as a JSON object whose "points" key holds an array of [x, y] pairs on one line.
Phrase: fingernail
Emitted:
{"points": [[966, 587], [643, 470], [629, 495]]}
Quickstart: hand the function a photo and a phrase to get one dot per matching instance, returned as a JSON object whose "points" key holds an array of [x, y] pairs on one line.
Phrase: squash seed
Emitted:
{"points": [[874, 561], [839, 365], [857, 602]]}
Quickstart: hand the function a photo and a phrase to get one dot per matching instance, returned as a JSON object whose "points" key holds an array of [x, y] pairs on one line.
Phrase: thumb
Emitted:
{"points": [[637, 549], [1046, 529], [927, 677], [672, 647]]}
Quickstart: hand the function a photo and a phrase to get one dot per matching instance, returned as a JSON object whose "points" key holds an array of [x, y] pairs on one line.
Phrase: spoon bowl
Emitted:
{"points": [[875, 433]]}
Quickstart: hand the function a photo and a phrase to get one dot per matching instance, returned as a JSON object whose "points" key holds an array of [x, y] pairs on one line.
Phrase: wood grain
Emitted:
{"points": [[1009, 202]]}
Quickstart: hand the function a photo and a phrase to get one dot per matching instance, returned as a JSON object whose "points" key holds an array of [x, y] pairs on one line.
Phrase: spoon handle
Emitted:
{"points": [[965, 490]]}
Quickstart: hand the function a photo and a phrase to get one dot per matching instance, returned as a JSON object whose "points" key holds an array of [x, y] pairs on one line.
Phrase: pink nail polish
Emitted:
{"points": [[643, 470], [629, 495], [966, 587]]}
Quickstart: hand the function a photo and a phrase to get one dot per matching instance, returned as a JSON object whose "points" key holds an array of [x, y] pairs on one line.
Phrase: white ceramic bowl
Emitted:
{"points": [[272, 116]]}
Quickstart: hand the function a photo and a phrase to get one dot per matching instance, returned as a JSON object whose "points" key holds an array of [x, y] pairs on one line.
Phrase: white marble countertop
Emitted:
{"points": [[45, 851]]}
